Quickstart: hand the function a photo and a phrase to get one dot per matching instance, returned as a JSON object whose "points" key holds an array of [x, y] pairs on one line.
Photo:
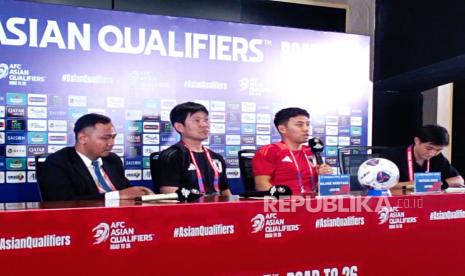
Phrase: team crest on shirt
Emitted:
{"points": [[218, 165], [191, 167]]}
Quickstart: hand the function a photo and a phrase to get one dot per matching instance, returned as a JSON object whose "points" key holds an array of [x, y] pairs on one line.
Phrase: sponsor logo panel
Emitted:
{"points": [[263, 140], [217, 128], [151, 127], [356, 121], [146, 175], [36, 150], [248, 118], [147, 150], [37, 125], [233, 173], [133, 175], [58, 138], [16, 125], [151, 139], [57, 125], [37, 99], [31, 177], [36, 112], [115, 102], [16, 164], [15, 177], [232, 139], [217, 117], [16, 99], [16, 112], [16, 138]]}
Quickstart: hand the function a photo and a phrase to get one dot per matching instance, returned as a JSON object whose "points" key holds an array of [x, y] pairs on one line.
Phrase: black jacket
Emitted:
{"points": [[64, 176]]}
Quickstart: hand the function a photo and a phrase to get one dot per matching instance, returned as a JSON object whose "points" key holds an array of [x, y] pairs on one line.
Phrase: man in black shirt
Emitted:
{"points": [[424, 155], [188, 164]]}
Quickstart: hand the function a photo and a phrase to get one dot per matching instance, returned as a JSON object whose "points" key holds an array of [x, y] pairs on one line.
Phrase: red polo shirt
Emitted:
{"points": [[277, 161]]}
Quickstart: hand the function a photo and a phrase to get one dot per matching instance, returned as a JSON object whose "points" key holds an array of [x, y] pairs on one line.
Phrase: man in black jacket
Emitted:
{"points": [[89, 170]]}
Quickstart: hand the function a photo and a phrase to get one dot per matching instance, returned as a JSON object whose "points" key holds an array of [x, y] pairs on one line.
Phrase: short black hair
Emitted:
{"points": [[283, 116], [180, 112], [434, 134], [89, 120]]}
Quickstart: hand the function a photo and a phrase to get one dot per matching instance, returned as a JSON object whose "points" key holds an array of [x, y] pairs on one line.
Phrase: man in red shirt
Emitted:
{"points": [[288, 162]]}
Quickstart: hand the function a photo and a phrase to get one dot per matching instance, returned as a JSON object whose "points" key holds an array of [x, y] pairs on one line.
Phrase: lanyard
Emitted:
{"points": [[299, 174], [199, 173], [410, 163]]}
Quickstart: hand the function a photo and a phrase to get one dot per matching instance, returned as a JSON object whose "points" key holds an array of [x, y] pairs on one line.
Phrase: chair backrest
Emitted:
{"points": [[39, 164], [350, 158], [155, 171], [245, 167]]}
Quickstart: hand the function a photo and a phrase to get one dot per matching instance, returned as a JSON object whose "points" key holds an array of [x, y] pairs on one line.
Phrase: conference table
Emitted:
{"points": [[416, 234]]}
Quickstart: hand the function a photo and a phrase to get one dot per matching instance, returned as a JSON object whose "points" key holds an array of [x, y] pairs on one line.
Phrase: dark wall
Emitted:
{"points": [[458, 127], [415, 33], [262, 12], [418, 45], [396, 115]]}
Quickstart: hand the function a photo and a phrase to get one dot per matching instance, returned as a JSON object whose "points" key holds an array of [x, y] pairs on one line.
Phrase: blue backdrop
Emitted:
{"points": [[58, 63]]}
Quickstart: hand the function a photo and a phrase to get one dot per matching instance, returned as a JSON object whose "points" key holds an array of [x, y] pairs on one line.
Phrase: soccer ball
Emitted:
{"points": [[378, 173]]}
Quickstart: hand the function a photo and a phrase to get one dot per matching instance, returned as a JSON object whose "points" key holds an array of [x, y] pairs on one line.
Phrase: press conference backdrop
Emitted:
{"points": [[58, 63]]}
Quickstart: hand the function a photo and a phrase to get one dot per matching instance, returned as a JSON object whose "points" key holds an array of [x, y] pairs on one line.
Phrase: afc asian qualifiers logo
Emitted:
{"points": [[258, 222], [3, 70], [101, 233], [272, 225], [394, 217], [118, 235]]}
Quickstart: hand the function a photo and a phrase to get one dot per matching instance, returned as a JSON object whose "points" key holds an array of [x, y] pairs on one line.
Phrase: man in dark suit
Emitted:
{"points": [[89, 170]]}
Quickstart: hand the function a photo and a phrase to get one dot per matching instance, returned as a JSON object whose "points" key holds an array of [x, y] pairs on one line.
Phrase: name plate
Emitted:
{"points": [[427, 182], [330, 185]]}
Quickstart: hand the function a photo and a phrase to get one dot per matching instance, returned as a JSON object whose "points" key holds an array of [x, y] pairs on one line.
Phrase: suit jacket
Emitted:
{"points": [[64, 176]]}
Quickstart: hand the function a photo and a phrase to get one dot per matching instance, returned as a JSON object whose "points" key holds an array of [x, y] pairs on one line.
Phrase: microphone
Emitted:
{"points": [[275, 191], [317, 147], [182, 194]]}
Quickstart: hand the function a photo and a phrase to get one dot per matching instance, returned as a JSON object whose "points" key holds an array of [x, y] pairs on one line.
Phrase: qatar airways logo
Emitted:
{"points": [[22, 31]]}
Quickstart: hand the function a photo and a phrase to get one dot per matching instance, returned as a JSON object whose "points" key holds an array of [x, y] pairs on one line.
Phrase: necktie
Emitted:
{"points": [[102, 183]]}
